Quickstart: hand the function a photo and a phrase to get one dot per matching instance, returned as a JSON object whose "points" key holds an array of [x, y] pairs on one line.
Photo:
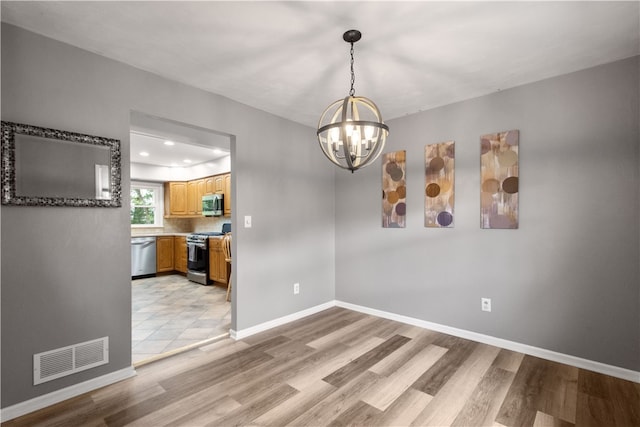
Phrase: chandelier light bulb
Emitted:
{"points": [[368, 132]]}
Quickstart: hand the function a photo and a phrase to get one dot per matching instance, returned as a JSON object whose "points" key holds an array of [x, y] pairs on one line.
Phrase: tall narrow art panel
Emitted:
{"points": [[394, 190], [439, 184], [499, 176]]}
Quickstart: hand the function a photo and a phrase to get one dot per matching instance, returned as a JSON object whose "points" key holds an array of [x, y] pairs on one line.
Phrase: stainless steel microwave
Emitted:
{"points": [[213, 205]]}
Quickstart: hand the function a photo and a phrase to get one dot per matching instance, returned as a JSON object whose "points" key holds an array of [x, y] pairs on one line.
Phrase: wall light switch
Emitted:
{"points": [[486, 304], [247, 221]]}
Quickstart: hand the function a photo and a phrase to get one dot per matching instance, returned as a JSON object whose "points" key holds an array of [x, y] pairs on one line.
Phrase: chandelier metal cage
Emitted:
{"points": [[351, 132]]}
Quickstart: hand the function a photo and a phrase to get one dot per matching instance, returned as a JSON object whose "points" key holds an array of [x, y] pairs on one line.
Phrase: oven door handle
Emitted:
{"points": [[197, 245]]}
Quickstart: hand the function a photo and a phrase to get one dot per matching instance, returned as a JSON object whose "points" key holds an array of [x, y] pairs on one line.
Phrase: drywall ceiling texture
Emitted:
{"points": [[568, 279], [288, 57], [66, 271]]}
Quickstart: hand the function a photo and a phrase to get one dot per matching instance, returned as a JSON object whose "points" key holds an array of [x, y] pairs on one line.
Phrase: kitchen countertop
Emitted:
{"points": [[159, 234]]}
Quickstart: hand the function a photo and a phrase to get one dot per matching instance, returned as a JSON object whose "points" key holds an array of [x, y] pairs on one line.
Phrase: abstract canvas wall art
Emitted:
{"points": [[439, 184], [499, 175], [394, 190]]}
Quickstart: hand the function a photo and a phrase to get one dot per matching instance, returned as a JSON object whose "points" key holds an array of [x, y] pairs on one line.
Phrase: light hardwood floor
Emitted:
{"points": [[340, 367]]}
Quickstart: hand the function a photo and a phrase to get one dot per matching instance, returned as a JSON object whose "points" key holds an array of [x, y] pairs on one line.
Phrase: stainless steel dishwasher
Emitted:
{"points": [[143, 256]]}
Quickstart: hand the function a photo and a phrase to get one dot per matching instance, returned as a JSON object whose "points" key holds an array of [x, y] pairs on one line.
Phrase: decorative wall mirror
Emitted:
{"points": [[49, 167]]}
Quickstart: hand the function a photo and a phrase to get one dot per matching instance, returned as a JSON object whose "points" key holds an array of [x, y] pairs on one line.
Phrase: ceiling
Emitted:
{"points": [[160, 151], [288, 57], [171, 144]]}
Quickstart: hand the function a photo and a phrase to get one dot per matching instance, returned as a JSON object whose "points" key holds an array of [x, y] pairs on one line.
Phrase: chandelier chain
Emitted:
{"points": [[352, 91]]}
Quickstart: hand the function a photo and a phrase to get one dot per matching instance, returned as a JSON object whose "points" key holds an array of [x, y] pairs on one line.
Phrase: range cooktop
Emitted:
{"points": [[226, 228], [208, 233]]}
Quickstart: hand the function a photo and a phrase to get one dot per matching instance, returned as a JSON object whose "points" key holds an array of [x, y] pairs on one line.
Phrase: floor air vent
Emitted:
{"points": [[65, 361]]}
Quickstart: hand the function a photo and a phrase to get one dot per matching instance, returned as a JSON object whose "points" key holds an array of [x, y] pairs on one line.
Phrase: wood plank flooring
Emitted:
{"points": [[339, 368]]}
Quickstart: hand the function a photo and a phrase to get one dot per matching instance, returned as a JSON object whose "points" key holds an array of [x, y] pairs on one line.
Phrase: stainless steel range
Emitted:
{"points": [[198, 256]]}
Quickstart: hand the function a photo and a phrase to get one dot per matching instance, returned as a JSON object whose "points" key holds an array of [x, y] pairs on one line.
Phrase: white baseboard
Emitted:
{"points": [[243, 333], [578, 362], [23, 408]]}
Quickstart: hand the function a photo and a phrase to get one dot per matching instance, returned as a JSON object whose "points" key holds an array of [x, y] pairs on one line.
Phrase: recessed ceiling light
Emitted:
{"points": [[187, 161], [144, 154], [169, 143]]}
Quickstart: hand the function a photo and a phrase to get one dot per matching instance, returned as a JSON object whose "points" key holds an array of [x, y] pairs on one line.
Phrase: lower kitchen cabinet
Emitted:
{"points": [[218, 266], [180, 254], [227, 194], [164, 254]]}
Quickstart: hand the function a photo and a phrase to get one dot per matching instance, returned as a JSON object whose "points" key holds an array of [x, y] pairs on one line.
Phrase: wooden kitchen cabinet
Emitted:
{"points": [[200, 191], [184, 198], [209, 185], [175, 198], [218, 267], [218, 184], [192, 196], [227, 194], [164, 254], [180, 254]]}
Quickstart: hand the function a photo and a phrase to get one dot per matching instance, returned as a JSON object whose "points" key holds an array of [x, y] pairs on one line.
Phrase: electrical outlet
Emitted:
{"points": [[247, 221], [296, 288], [486, 304]]}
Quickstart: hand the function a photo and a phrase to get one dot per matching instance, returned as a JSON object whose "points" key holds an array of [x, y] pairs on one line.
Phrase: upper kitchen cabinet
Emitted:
{"points": [[218, 184], [195, 191], [175, 198], [192, 198], [184, 198], [200, 191], [209, 187]]}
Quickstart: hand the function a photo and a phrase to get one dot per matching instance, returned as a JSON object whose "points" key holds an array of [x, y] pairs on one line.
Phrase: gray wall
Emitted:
{"points": [[568, 280], [65, 271]]}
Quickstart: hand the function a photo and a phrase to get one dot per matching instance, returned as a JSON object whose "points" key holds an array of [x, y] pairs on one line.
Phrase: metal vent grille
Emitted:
{"points": [[90, 353], [65, 361], [57, 362]]}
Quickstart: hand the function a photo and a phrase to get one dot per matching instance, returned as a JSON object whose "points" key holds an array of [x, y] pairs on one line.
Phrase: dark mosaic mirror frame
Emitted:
{"points": [[9, 197]]}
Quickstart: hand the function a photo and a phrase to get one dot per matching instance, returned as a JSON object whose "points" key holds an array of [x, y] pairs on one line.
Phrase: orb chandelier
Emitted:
{"points": [[351, 132]]}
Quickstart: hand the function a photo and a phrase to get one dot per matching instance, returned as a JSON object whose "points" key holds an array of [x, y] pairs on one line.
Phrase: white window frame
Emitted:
{"points": [[158, 190]]}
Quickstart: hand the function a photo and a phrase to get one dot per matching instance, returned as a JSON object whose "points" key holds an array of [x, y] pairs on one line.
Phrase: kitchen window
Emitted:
{"points": [[146, 204]]}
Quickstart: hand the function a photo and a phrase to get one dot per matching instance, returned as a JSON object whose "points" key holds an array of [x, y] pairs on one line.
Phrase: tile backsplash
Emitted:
{"points": [[177, 225], [209, 224]]}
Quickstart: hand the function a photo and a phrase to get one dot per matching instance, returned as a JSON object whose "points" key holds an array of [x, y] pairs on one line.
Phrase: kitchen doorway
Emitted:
{"points": [[172, 165]]}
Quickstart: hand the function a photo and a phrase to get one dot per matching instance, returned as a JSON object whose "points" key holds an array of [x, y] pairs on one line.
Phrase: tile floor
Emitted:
{"points": [[170, 312]]}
